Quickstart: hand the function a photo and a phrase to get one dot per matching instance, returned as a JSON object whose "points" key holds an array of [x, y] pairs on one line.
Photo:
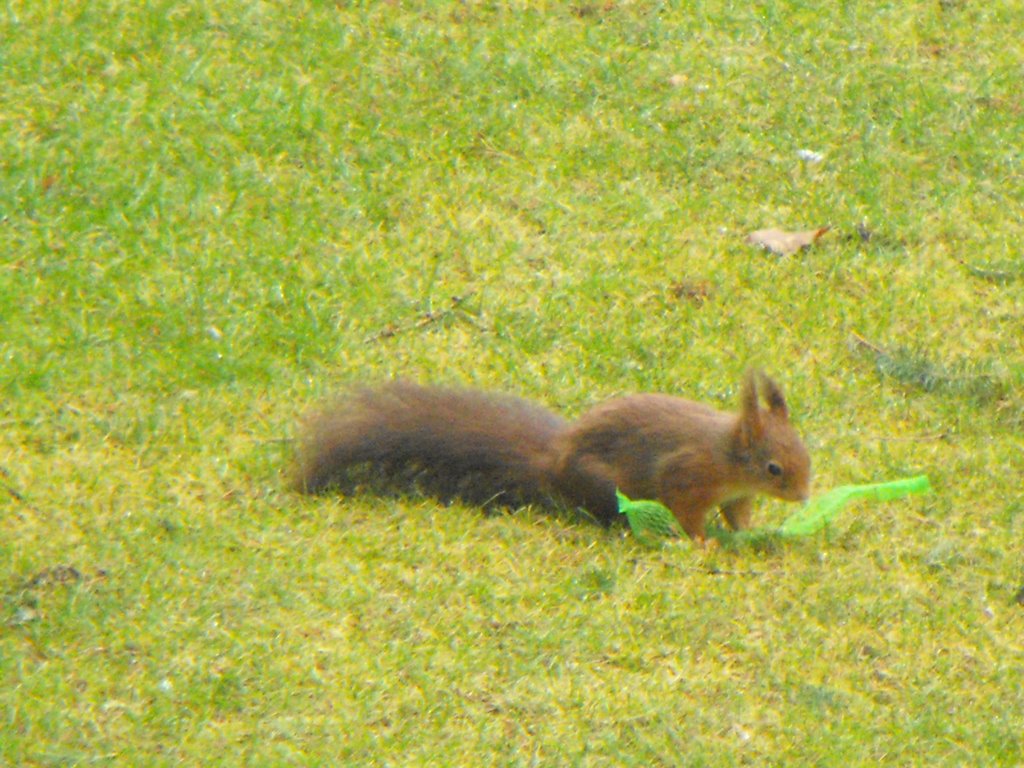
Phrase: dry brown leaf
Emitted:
{"points": [[785, 243]]}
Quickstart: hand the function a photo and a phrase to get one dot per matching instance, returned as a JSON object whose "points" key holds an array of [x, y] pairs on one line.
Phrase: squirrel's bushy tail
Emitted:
{"points": [[474, 445]]}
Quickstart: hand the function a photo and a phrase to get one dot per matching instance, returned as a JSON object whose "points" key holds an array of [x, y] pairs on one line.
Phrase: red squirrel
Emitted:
{"points": [[485, 446]]}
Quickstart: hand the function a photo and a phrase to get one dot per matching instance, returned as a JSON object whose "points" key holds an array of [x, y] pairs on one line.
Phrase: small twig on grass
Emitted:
{"points": [[714, 570], [907, 438], [924, 520], [23, 500], [860, 341], [935, 436], [426, 319], [37, 648], [15, 494]]}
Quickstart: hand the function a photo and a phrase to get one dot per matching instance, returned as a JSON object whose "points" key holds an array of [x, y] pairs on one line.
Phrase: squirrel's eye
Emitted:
{"points": [[774, 468]]}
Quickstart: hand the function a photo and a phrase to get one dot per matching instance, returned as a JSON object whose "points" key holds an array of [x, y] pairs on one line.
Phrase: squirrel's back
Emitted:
{"points": [[459, 442]]}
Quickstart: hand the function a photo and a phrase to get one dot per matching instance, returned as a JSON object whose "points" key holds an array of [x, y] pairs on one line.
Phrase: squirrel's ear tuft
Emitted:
{"points": [[751, 426], [772, 394]]}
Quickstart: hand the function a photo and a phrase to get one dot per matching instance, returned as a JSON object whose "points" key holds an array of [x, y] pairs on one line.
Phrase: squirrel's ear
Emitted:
{"points": [[751, 426], [772, 394]]}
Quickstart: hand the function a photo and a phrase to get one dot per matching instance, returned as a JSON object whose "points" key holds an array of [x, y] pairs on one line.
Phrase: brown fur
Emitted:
{"points": [[488, 447]]}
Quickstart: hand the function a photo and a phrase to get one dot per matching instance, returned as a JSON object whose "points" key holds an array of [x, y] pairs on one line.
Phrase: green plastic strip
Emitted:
{"points": [[820, 511], [652, 522]]}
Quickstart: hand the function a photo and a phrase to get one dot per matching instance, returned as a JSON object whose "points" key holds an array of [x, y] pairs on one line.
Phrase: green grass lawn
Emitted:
{"points": [[212, 216]]}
